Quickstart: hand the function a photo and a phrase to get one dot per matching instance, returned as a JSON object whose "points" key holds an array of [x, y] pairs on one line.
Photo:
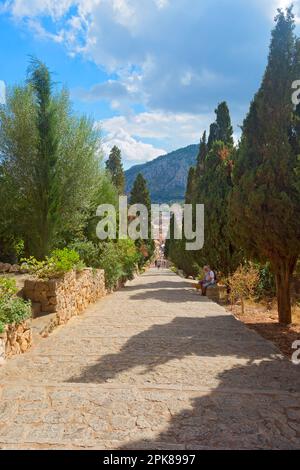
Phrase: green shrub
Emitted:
{"points": [[109, 260], [8, 287], [129, 257], [65, 260], [266, 286], [88, 252], [12, 308], [56, 265], [119, 260]]}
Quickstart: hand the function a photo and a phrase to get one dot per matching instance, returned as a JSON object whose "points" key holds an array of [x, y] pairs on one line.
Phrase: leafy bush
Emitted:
{"points": [[119, 260], [243, 284], [65, 260], [12, 308], [56, 265], [8, 287], [109, 260], [174, 269], [266, 286], [129, 257], [88, 252]]}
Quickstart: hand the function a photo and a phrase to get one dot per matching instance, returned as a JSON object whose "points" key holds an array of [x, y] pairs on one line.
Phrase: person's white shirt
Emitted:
{"points": [[210, 276]]}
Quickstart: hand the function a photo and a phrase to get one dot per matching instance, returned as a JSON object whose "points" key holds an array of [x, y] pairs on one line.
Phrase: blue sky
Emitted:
{"points": [[150, 72]]}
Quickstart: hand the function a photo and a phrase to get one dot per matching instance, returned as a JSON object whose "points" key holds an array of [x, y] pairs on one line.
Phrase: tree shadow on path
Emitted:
{"points": [[251, 403], [160, 285], [235, 417], [209, 337]]}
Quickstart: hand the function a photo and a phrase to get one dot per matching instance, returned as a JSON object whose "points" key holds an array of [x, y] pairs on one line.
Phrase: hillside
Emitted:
{"points": [[166, 175]]}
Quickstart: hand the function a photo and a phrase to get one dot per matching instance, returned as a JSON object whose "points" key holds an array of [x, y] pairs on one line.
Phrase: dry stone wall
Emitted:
{"points": [[6, 268], [16, 339], [217, 293], [65, 297]]}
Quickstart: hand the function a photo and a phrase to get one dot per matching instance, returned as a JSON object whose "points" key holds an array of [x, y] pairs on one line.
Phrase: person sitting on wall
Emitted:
{"points": [[208, 280]]}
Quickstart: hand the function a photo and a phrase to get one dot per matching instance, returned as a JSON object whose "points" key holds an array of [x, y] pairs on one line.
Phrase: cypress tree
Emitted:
{"points": [[40, 80], [216, 184], [265, 201], [191, 186], [221, 129], [115, 168], [203, 150], [49, 165], [213, 135], [140, 195]]}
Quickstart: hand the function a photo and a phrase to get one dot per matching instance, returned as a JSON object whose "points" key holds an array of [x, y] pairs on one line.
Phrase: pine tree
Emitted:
{"points": [[265, 201], [221, 129], [115, 168]]}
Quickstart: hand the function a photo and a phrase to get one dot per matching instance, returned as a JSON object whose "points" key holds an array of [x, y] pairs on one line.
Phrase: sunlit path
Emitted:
{"points": [[151, 366]]}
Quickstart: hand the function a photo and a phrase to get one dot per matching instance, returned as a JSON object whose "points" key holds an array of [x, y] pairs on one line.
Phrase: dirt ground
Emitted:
{"points": [[263, 318]]}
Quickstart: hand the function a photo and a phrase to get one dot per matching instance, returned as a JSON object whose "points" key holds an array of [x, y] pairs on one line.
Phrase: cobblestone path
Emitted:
{"points": [[153, 366]]}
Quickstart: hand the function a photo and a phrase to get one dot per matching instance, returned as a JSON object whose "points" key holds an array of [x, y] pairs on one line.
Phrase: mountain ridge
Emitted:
{"points": [[166, 175]]}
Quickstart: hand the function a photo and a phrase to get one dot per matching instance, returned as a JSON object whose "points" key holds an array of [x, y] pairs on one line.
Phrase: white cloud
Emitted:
{"points": [[179, 59], [271, 6], [30, 8], [133, 150], [167, 56], [170, 127], [41, 32], [162, 3], [121, 93], [175, 130]]}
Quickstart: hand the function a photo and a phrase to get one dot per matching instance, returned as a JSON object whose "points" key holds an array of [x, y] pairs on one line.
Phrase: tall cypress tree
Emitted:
{"points": [[213, 135], [140, 192], [265, 201], [221, 129], [49, 165], [203, 150], [115, 168], [40, 80], [191, 186], [216, 184], [140, 195]]}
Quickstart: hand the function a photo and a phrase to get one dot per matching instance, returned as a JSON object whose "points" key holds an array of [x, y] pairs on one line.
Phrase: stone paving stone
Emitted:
{"points": [[153, 366]]}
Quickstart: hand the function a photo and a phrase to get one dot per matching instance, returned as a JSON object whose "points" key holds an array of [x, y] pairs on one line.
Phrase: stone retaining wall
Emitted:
{"points": [[11, 268], [217, 293], [66, 297], [16, 339]]}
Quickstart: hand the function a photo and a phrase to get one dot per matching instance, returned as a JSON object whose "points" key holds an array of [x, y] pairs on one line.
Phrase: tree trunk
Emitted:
{"points": [[243, 305], [283, 273]]}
